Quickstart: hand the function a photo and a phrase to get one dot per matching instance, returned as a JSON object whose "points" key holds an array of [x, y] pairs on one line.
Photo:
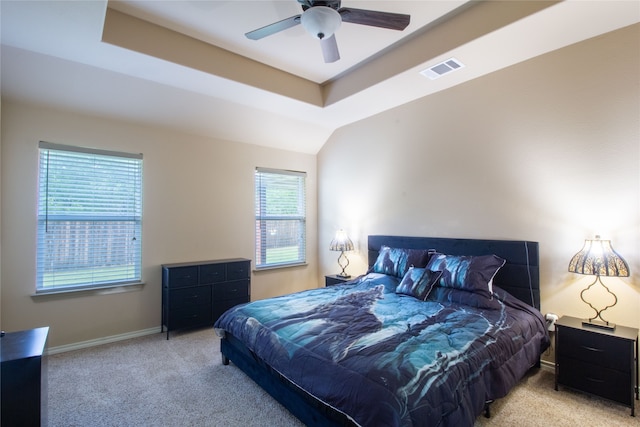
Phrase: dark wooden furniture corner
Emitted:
{"points": [[24, 378]]}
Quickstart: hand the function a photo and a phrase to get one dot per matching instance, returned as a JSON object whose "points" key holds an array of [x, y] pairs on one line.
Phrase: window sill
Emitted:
{"points": [[277, 267], [96, 290]]}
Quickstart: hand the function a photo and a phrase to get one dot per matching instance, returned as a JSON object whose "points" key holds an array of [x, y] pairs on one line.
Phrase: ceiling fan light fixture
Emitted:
{"points": [[321, 21]]}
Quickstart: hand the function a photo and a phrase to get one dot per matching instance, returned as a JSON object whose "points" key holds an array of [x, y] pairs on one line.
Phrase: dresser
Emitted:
{"points": [[197, 293], [597, 361], [24, 378]]}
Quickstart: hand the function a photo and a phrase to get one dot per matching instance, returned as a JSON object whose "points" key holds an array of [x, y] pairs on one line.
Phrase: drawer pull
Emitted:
{"points": [[595, 380], [592, 349]]}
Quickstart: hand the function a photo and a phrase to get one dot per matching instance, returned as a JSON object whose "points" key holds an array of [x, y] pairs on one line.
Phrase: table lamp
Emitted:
{"points": [[598, 258], [342, 243]]}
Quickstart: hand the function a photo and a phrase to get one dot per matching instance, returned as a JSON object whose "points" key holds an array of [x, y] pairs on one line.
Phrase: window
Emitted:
{"points": [[89, 218], [280, 218]]}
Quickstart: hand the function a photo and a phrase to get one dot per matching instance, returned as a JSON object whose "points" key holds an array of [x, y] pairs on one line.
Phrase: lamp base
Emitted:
{"points": [[602, 323], [343, 274], [607, 326]]}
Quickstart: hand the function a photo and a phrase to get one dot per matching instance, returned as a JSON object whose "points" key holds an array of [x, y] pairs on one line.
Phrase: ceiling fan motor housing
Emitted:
{"points": [[333, 4]]}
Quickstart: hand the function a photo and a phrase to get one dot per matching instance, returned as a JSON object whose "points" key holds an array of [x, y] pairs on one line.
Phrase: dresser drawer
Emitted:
{"points": [[212, 273], [199, 295], [238, 270], [599, 349], [190, 316], [231, 290], [609, 383], [181, 276]]}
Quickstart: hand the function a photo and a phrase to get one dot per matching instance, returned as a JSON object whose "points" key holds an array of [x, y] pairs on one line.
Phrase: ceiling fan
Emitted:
{"points": [[321, 19]]}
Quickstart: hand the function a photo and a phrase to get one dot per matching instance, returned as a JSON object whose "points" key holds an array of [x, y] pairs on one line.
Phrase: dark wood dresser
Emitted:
{"points": [[24, 378], [197, 293], [597, 361]]}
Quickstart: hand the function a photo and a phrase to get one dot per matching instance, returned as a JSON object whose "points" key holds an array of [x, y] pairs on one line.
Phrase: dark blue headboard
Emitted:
{"points": [[520, 276]]}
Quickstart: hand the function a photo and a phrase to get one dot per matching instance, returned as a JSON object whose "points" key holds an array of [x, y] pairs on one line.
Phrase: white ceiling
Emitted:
{"points": [[223, 23], [277, 91]]}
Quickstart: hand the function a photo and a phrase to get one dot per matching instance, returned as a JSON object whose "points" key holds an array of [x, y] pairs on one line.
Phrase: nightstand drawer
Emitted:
{"points": [[600, 349], [335, 280], [231, 290], [608, 383], [200, 295]]}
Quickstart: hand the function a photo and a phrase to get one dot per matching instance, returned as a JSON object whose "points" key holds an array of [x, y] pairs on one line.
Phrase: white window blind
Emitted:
{"points": [[280, 218], [89, 218]]}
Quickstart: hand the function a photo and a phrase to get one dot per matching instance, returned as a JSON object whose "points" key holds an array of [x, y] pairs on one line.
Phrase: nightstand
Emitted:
{"points": [[597, 361], [334, 279]]}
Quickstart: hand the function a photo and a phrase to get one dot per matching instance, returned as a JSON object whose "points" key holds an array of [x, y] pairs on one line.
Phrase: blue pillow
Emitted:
{"points": [[467, 273], [418, 282], [397, 261]]}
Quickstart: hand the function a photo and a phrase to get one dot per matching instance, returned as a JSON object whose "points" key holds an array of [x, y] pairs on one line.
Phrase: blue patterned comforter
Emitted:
{"points": [[387, 359]]}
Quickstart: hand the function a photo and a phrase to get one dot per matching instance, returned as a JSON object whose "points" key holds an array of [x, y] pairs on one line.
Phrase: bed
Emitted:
{"points": [[435, 331]]}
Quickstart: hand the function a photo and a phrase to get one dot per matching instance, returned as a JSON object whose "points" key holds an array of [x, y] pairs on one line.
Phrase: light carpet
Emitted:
{"points": [[150, 381]]}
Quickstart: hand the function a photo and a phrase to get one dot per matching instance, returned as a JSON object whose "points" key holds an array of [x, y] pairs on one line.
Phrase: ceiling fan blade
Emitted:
{"points": [[392, 21], [330, 49], [276, 27]]}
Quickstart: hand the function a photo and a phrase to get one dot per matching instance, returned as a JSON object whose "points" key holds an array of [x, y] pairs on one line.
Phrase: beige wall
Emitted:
{"points": [[547, 150], [198, 205]]}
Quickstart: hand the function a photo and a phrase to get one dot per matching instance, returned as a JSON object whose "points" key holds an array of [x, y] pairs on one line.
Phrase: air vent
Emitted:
{"points": [[445, 67]]}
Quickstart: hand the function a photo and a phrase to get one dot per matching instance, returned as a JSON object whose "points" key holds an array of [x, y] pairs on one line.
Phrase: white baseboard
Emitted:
{"points": [[100, 341]]}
